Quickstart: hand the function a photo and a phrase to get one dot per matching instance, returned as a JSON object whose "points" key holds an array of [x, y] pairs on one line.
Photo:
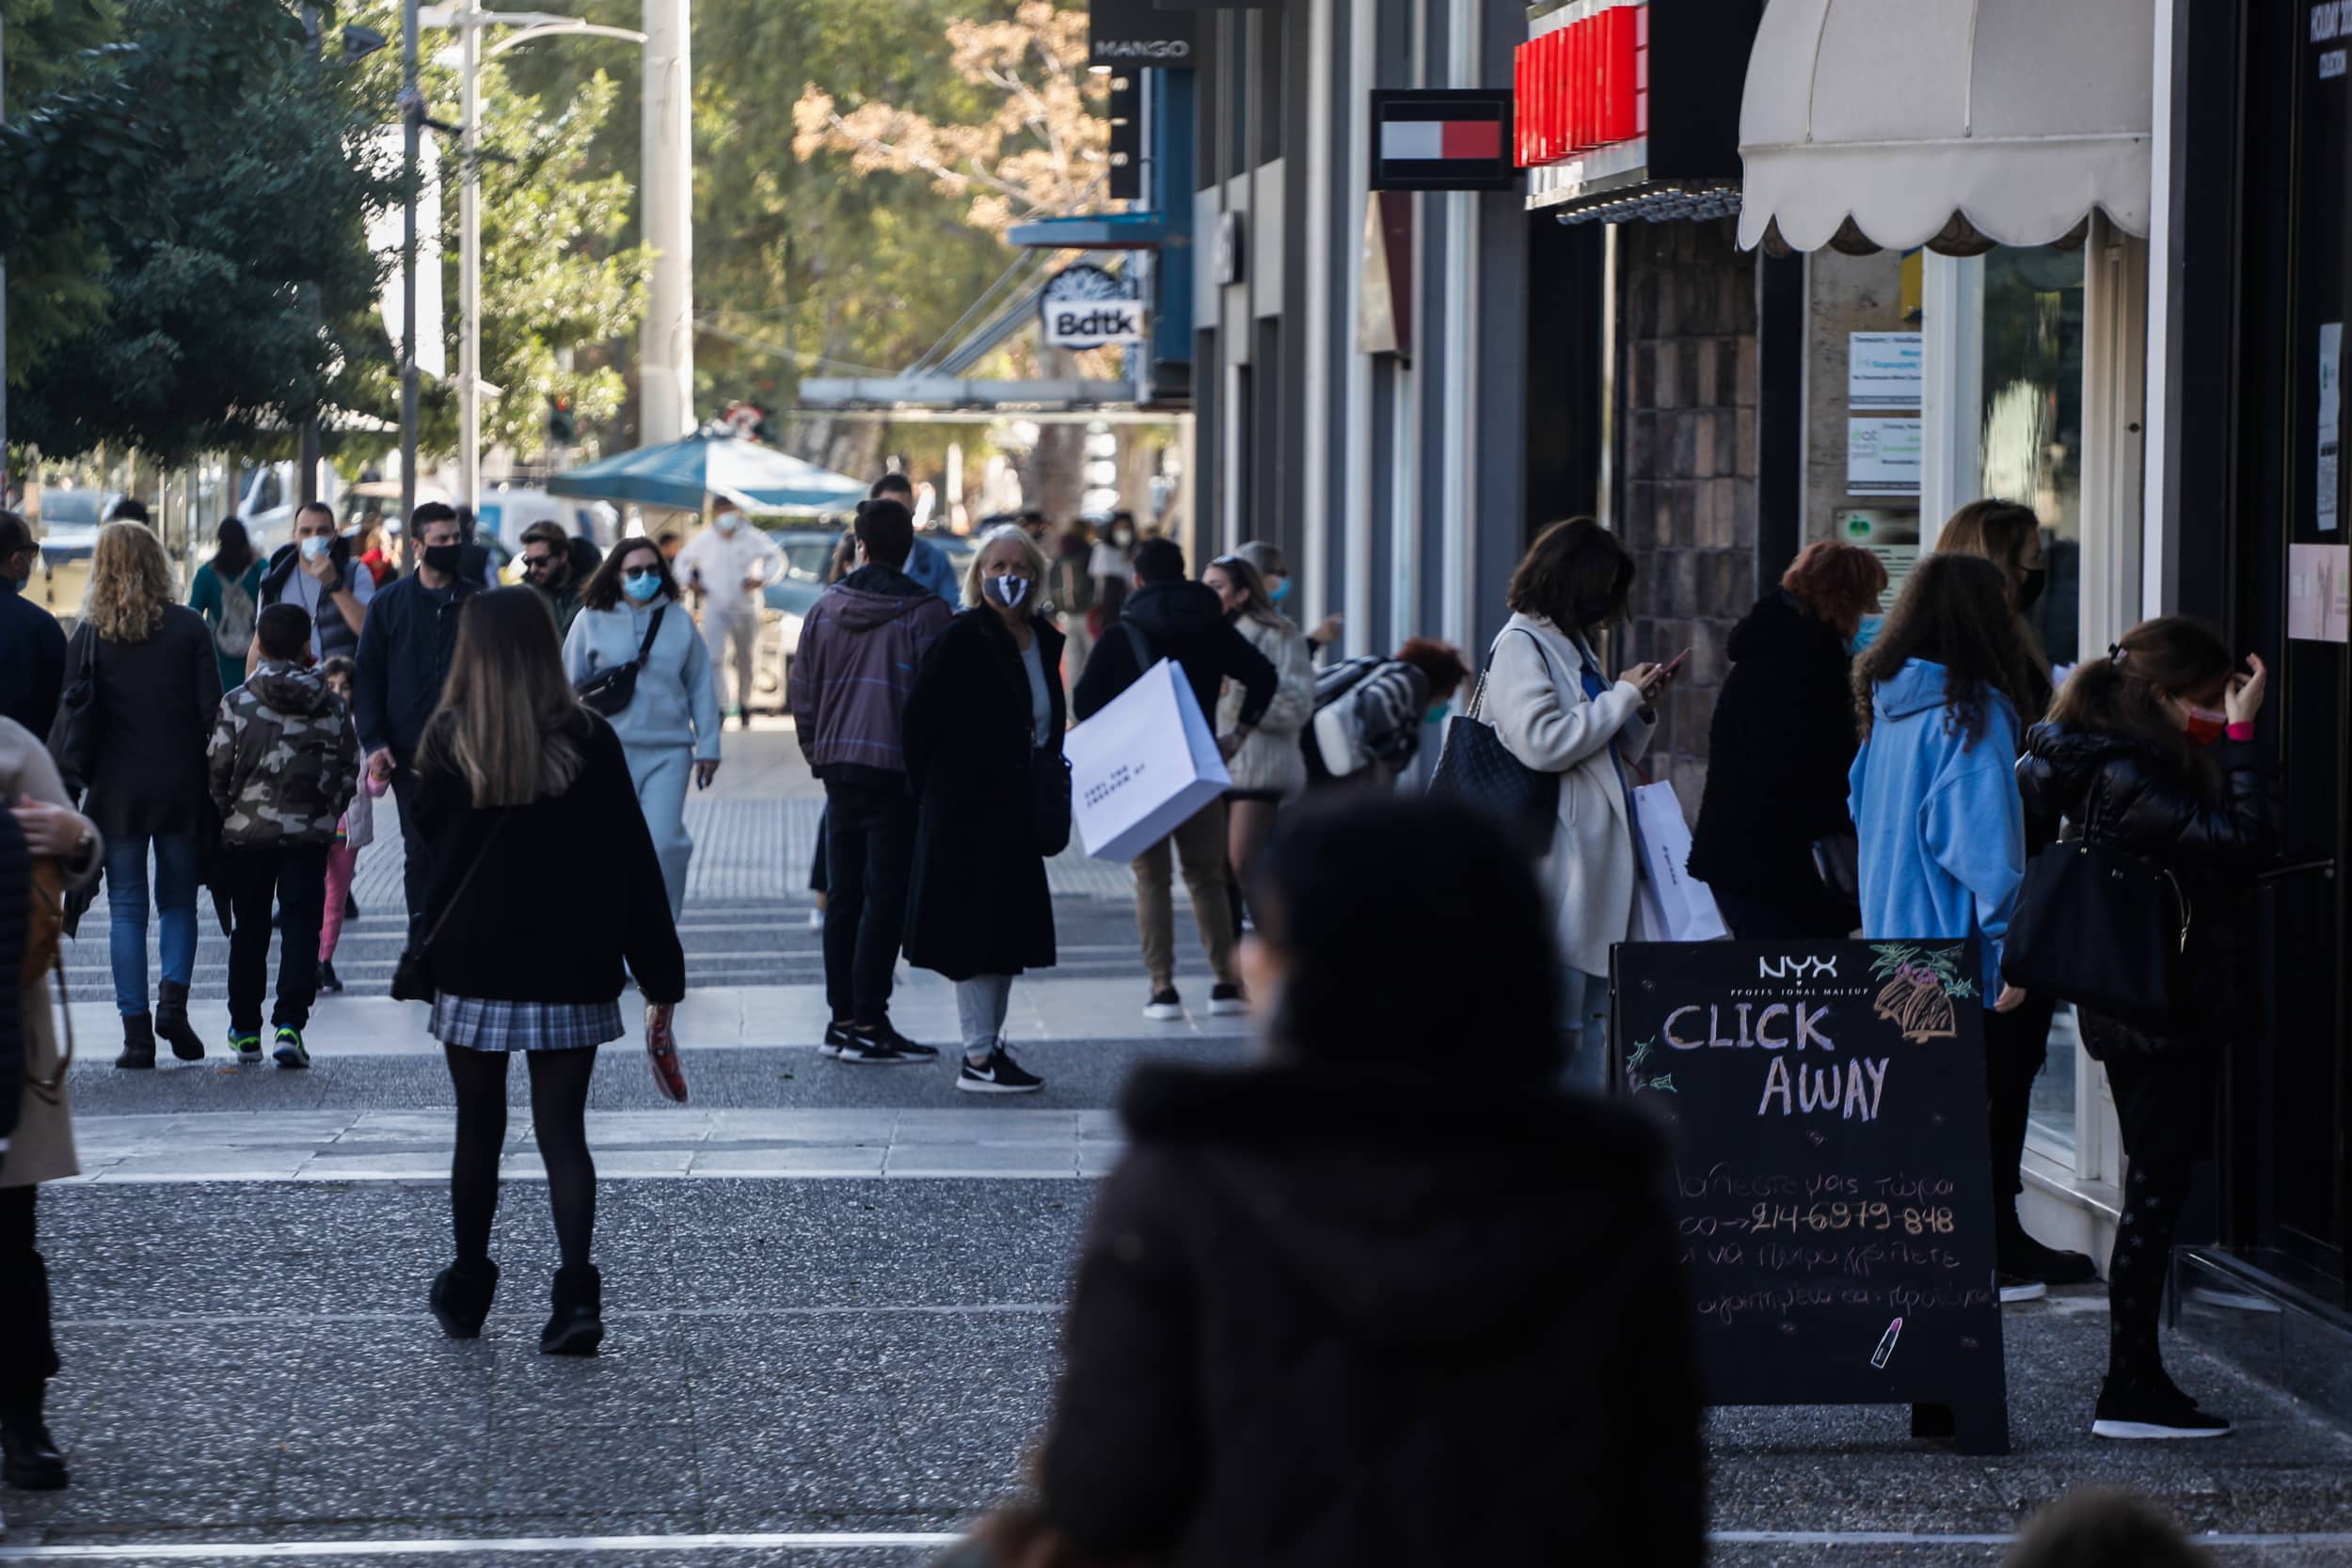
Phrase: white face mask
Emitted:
{"points": [[728, 522], [316, 546], [1007, 589]]}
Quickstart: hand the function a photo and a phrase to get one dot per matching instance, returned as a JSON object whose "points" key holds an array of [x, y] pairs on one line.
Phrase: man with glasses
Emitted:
{"points": [[547, 567]]}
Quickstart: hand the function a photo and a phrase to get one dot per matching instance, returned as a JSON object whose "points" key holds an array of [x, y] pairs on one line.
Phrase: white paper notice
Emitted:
{"points": [[1882, 456], [2319, 597], [1884, 370], [2330, 422]]}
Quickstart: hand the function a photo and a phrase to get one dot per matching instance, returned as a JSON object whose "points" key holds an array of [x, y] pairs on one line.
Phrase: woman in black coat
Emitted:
{"points": [[2150, 752], [988, 702], [1352, 1306], [1782, 739], [139, 748]]}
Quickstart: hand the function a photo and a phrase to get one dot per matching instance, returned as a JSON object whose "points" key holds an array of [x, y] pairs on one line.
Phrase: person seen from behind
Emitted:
{"points": [[353, 833], [525, 800], [984, 720], [926, 563], [1268, 770], [136, 758], [1169, 618], [2016, 1042], [1556, 708], [2151, 752], [861, 645], [2102, 1528], [32, 645], [283, 762], [1315, 1296], [670, 729], [731, 565], [1773, 815], [226, 591]]}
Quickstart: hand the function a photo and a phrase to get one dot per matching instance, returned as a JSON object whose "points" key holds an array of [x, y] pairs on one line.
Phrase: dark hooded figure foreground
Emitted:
{"points": [[1349, 1307]]}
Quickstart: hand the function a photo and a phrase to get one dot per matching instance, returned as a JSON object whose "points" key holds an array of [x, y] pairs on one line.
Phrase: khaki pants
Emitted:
{"points": [[1200, 845]]}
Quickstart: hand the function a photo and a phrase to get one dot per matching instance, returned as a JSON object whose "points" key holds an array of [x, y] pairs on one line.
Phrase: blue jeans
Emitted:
{"points": [[126, 903], [1585, 1026]]}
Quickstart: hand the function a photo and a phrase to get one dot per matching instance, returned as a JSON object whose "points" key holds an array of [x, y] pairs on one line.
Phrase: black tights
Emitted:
{"points": [[2153, 1193], [559, 1117]]}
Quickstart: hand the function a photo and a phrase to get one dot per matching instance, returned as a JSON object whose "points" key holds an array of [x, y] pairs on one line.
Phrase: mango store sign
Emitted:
{"points": [[1085, 307]]}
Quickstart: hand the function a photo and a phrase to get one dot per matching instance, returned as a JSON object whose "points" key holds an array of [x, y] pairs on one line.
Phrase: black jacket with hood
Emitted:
{"points": [[1185, 621], [1349, 1317]]}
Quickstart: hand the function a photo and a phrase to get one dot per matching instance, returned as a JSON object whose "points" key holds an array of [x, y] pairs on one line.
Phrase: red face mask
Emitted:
{"points": [[2206, 726]]}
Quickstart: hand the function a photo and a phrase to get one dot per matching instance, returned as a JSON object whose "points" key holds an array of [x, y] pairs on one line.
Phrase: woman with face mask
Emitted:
{"points": [[2150, 752], [629, 613], [984, 722], [1270, 768]]}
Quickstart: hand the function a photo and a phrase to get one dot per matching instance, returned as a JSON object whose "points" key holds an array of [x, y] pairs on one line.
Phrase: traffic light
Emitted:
{"points": [[562, 425]]}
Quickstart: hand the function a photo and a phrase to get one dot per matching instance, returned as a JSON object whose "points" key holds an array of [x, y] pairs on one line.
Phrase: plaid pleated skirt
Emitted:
{"points": [[479, 1023]]}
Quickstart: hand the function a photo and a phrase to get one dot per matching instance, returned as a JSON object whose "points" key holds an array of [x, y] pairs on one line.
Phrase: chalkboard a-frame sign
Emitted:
{"points": [[1826, 1103]]}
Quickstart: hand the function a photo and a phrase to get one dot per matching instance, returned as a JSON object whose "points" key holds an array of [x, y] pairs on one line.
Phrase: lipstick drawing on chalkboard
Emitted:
{"points": [[1886, 1344]]}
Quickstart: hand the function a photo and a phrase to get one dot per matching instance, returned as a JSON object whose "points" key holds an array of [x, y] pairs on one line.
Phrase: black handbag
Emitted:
{"points": [[1477, 768], [412, 975], [73, 735], [2101, 929], [609, 692]]}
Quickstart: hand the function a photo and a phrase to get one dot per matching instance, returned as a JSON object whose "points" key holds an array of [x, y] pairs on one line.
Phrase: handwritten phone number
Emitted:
{"points": [[1766, 1218]]}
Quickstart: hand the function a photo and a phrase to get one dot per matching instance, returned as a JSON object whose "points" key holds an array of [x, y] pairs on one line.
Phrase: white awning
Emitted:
{"points": [[1954, 124]]}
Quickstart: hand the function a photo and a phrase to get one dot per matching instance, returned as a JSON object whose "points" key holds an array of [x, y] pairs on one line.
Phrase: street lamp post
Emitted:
{"points": [[412, 132]]}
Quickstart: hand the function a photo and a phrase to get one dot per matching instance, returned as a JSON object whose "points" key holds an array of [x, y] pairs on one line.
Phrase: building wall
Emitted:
{"points": [[1686, 466]]}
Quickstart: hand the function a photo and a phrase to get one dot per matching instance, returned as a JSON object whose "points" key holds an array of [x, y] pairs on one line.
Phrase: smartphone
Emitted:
{"points": [[1675, 663]]}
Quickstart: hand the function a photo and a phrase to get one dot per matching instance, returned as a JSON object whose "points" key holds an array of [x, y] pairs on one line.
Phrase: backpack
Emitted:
{"points": [[1333, 734], [233, 635]]}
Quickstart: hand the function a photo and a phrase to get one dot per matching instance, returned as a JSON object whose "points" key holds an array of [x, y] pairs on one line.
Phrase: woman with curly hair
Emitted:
{"points": [[137, 750]]}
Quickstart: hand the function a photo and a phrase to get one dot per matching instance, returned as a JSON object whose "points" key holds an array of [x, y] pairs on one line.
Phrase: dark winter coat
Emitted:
{"points": [[1185, 621], [1782, 740], [404, 660], [977, 903], [581, 849], [861, 645], [1345, 1317], [2124, 792], [335, 635], [32, 660], [155, 702], [283, 759]]}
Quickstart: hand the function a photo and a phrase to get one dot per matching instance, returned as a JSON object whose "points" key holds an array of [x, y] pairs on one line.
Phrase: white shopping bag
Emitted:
{"points": [[1143, 766], [1669, 904]]}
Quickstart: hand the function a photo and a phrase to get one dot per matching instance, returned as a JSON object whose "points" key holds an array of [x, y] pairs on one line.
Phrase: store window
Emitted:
{"points": [[2029, 448]]}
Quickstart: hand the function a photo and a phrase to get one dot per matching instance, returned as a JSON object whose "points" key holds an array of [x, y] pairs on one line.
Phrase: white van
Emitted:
{"points": [[506, 511]]}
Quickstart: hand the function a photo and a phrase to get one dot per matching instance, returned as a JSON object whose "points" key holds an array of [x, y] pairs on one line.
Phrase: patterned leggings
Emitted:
{"points": [[2153, 1191]]}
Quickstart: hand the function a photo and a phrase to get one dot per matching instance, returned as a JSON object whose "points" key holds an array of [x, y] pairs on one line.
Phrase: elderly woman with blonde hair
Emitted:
{"points": [[983, 737]]}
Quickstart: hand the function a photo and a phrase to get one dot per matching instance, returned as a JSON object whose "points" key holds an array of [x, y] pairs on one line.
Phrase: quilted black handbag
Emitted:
{"points": [[2104, 929], [1478, 768]]}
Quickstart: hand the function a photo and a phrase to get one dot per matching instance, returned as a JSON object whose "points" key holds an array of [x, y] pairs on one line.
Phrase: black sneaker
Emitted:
{"points": [[1000, 1075], [869, 1049], [836, 1041], [1166, 1007], [1227, 1001], [906, 1046], [2017, 1287], [2025, 1258], [2157, 1414], [327, 978]]}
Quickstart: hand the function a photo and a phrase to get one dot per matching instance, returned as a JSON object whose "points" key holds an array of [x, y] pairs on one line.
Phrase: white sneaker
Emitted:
{"points": [[1227, 1001], [1166, 1007]]}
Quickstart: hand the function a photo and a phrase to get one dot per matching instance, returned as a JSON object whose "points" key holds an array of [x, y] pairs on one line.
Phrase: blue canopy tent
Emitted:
{"points": [[681, 474]]}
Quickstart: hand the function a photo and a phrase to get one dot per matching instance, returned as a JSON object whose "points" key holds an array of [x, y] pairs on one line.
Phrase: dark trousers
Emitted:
{"points": [[2016, 1046], [416, 871], [1804, 915], [870, 855], [293, 878], [31, 1356]]}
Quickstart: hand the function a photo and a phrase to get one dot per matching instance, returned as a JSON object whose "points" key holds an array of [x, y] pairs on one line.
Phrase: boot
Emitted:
{"points": [[139, 1042], [461, 1297], [29, 1460], [171, 1021], [577, 1327]]}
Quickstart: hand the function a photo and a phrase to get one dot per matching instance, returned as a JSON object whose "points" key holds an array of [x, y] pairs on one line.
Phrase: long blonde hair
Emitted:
{"points": [[130, 583], [506, 709]]}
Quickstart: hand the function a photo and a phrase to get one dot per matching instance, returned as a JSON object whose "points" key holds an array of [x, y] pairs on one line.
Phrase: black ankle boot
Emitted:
{"points": [[171, 1021], [139, 1042], [577, 1327], [29, 1460], [461, 1297]]}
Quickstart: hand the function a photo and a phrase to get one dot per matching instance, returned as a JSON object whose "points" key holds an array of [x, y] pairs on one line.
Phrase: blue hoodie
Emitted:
{"points": [[1943, 833]]}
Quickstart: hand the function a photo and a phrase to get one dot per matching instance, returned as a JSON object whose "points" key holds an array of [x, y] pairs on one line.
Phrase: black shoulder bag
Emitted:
{"points": [[73, 736], [412, 976], [2104, 929], [1477, 768], [609, 692]]}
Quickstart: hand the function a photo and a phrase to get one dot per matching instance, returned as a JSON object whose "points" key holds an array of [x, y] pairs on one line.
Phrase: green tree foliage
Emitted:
{"points": [[210, 172]]}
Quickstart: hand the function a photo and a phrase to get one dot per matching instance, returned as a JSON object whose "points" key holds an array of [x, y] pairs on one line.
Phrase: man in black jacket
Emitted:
{"points": [[1169, 617], [396, 682], [32, 645]]}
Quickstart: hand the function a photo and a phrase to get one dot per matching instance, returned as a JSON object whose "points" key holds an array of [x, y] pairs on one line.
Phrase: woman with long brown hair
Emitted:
{"points": [[142, 687], [526, 799]]}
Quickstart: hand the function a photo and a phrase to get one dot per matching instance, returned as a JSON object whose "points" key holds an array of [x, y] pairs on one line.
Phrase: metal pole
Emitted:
{"points": [[4, 284], [469, 263], [413, 132], [665, 384]]}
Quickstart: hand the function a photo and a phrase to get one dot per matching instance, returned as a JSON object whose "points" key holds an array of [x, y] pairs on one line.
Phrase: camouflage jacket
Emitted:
{"points": [[283, 759]]}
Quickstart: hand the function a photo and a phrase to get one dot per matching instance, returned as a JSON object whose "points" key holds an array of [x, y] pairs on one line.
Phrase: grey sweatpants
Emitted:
{"points": [[981, 1003]]}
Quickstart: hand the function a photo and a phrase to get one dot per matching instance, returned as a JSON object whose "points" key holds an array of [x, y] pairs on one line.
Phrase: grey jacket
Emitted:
{"points": [[675, 704]]}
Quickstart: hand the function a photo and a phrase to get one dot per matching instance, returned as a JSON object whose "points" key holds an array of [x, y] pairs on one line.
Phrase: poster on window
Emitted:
{"points": [[2330, 422], [1882, 456], [2318, 593], [1884, 370]]}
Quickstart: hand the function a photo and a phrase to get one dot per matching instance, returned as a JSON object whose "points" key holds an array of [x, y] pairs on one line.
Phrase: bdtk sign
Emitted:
{"points": [[1084, 307]]}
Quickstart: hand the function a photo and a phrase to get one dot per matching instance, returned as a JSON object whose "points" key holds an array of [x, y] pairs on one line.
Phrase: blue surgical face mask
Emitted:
{"points": [[1281, 592], [316, 546], [1437, 713], [641, 586], [1864, 635]]}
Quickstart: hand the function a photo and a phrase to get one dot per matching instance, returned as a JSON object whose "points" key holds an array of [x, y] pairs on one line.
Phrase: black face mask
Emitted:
{"points": [[2029, 590], [444, 558]]}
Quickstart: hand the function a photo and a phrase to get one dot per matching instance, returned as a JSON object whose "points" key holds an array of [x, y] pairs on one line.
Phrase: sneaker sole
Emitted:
{"points": [[1165, 1014], [2150, 1432], [980, 1086], [849, 1059], [2013, 1294], [293, 1061], [1227, 1009]]}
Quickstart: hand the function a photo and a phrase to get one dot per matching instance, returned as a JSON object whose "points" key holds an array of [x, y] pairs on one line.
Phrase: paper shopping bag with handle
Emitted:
{"points": [[1142, 767], [1670, 904]]}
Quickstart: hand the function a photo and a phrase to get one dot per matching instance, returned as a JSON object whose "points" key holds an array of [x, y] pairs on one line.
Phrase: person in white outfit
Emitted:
{"points": [[730, 565], [671, 725], [1555, 708], [1269, 769]]}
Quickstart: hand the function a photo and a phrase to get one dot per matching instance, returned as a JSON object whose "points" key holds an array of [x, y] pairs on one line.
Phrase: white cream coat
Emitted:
{"points": [[1537, 704]]}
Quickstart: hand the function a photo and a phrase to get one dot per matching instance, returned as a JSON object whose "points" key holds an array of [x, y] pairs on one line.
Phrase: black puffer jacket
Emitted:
{"points": [[2127, 793], [1354, 1319]]}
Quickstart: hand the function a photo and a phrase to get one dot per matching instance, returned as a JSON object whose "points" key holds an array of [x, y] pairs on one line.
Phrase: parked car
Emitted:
{"points": [[808, 557], [70, 520], [505, 512]]}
